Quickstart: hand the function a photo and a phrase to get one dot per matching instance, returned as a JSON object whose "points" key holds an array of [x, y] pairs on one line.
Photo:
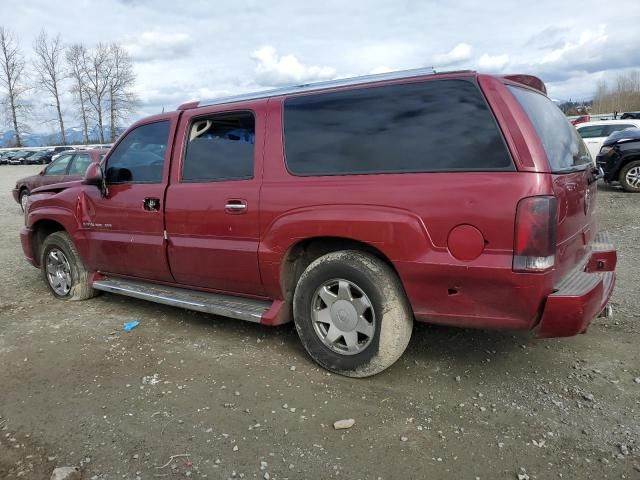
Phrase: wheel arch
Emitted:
{"points": [[303, 252], [623, 162], [41, 230]]}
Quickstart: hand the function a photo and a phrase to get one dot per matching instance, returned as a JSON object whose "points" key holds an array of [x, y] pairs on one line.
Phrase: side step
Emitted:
{"points": [[225, 305]]}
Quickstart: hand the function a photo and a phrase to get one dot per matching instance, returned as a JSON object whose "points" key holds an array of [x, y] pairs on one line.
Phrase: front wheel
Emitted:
{"points": [[630, 176], [63, 270], [352, 314], [24, 196]]}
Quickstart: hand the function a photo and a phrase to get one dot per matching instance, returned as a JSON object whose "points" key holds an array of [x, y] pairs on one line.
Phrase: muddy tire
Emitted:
{"points": [[352, 314], [630, 176], [63, 270]]}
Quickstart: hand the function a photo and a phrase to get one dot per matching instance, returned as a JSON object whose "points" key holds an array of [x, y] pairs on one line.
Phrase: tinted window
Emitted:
{"points": [[614, 128], [593, 131], [139, 157], [419, 127], [219, 148], [58, 166], [564, 148], [79, 165]]}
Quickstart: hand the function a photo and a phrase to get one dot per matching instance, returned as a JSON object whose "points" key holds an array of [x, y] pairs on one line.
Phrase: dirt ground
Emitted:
{"points": [[193, 395]]}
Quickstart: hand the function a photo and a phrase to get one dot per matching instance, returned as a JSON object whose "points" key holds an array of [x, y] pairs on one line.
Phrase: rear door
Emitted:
{"points": [[574, 184], [126, 227], [212, 203]]}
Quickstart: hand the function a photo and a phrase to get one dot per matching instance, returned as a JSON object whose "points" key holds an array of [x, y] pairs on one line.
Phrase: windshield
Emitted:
{"points": [[564, 148]]}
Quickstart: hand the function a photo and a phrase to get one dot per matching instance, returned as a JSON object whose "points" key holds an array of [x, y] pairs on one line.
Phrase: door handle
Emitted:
{"points": [[151, 204], [235, 206]]}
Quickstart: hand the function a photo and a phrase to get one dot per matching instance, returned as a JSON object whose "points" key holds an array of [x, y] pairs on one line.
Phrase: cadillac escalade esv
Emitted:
{"points": [[352, 207]]}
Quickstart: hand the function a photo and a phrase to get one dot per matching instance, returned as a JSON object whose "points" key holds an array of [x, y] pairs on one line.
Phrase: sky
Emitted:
{"points": [[194, 50]]}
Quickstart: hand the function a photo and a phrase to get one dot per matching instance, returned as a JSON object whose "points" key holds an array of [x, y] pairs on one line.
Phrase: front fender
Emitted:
{"points": [[47, 207], [400, 235]]}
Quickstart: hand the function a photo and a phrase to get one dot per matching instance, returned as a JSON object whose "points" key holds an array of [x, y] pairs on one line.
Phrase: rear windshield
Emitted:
{"points": [[564, 148]]}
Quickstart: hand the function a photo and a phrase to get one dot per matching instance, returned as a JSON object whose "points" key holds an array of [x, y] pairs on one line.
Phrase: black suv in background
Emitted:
{"points": [[634, 115], [40, 157], [619, 158]]}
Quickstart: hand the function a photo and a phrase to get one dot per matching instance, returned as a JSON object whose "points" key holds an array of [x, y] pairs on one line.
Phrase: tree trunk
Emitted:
{"points": [[85, 126], [112, 113], [14, 119], [62, 134], [100, 127]]}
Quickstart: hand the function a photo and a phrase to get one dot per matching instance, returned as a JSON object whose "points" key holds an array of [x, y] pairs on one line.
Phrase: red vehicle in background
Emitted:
{"points": [[71, 165], [352, 207], [581, 119]]}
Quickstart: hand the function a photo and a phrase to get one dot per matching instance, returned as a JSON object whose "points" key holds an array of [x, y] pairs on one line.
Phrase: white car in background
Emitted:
{"points": [[594, 133]]}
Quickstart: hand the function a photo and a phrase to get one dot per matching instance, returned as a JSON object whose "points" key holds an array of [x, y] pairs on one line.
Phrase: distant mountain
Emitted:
{"points": [[74, 136]]}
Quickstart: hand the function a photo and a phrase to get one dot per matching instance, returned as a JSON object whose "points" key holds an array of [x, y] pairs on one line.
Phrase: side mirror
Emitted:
{"points": [[95, 176], [42, 171]]}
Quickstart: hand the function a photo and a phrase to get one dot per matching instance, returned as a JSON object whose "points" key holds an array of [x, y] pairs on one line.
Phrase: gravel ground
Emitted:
{"points": [[193, 395]]}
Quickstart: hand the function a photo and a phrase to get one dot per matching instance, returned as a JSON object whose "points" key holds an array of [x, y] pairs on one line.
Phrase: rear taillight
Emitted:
{"points": [[534, 244]]}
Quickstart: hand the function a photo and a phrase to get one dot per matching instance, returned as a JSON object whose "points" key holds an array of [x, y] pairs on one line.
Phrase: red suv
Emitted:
{"points": [[351, 207]]}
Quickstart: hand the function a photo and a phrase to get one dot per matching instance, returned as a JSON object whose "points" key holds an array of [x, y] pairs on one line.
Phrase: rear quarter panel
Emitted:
{"points": [[409, 217]]}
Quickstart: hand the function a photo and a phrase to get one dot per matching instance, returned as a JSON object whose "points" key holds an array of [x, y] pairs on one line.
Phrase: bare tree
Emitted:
{"points": [[122, 98], [622, 96], [47, 64], [97, 68], [76, 56], [12, 69]]}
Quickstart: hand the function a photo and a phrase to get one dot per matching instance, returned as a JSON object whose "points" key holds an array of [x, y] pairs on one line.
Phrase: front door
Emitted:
{"points": [[212, 209], [55, 171], [126, 227]]}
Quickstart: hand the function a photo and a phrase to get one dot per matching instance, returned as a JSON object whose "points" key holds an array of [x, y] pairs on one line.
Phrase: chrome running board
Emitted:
{"points": [[225, 305]]}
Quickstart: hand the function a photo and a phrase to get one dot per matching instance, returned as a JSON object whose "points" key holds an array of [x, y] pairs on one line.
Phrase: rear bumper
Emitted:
{"points": [[583, 294], [27, 245]]}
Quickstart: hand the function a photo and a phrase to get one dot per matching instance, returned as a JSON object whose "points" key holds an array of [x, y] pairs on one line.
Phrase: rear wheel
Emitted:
{"points": [[24, 196], [351, 313], [630, 176], [62, 269]]}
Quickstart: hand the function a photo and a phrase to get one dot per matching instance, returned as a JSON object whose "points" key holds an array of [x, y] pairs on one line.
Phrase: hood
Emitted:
{"points": [[29, 179], [630, 134], [56, 187]]}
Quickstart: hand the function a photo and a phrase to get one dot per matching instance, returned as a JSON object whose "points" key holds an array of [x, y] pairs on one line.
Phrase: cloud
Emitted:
{"points": [[275, 70], [585, 52], [587, 41], [380, 69], [493, 62], [550, 37], [158, 45], [459, 53]]}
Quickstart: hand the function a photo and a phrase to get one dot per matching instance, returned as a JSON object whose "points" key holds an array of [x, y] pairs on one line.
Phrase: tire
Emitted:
{"points": [[630, 176], [22, 198], [61, 264], [373, 307]]}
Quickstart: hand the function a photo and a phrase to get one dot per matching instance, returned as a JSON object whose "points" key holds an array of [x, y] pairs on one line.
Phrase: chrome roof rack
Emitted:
{"points": [[310, 87]]}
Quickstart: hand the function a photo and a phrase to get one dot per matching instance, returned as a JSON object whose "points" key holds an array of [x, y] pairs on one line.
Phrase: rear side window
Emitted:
{"points": [[593, 131], [614, 128], [440, 125], [220, 148], [79, 165], [564, 148]]}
